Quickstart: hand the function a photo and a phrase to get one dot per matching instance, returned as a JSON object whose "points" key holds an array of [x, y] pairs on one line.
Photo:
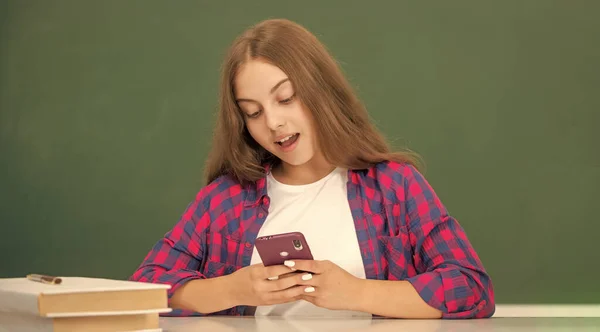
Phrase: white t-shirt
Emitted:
{"points": [[319, 210]]}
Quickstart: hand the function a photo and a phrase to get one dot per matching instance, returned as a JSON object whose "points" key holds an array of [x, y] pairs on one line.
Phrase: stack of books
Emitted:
{"points": [[66, 304]]}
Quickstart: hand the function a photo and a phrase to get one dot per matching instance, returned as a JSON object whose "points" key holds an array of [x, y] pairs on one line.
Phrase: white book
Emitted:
{"points": [[82, 296], [15, 322]]}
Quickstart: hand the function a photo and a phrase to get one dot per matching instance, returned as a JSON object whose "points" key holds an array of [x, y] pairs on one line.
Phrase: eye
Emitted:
{"points": [[288, 100], [253, 115]]}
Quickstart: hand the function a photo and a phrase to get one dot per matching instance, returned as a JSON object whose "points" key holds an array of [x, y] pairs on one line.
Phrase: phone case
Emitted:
{"points": [[275, 249]]}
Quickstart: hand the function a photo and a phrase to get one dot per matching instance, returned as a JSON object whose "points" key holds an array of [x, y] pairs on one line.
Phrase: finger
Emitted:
{"points": [[307, 298], [273, 271], [290, 275], [312, 299], [287, 295], [309, 279], [305, 265], [283, 276], [293, 279], [310, 282], [309, 291]]}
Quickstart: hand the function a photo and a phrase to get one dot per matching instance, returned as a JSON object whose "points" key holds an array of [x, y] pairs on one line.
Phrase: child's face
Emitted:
{"points": [[273, 113]]}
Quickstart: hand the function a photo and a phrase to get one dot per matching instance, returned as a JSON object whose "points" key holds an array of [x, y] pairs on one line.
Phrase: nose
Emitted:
{"points": [[274, 119]]}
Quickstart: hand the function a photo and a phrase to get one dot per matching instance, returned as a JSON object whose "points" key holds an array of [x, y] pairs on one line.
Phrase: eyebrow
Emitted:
{"points": [[271, 92]]}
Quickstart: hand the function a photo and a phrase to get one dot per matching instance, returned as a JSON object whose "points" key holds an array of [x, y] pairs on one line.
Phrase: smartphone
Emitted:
{"points": [[275, 249]]}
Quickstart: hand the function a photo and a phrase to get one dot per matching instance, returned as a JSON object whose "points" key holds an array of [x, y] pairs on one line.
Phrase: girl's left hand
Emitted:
{"points": [[328, 285]]}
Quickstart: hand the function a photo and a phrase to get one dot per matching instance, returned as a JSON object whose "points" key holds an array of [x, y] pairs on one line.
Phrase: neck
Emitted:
{"points": [[312, 171]]}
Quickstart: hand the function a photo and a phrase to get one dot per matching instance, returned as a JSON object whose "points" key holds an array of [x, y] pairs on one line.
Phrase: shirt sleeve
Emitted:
{"points": [[451, 277], [175, 259]]}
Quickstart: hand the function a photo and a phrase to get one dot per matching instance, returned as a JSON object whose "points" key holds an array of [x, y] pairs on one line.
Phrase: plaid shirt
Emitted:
{"points": [[404, 233]]}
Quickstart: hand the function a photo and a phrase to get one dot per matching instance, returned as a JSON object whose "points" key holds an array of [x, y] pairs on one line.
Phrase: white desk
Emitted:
{"points": [[507, 318]]}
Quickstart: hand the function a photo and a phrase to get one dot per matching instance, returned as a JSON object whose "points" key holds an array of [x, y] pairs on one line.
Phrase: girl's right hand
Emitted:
{"points": [[257, 285]]}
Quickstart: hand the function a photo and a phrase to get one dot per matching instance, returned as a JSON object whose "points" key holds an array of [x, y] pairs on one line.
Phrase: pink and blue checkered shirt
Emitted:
{"points": [[404, 233]]}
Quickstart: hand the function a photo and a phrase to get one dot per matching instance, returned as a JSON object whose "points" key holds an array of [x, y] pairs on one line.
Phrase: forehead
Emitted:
{"points": [[256, 78]]}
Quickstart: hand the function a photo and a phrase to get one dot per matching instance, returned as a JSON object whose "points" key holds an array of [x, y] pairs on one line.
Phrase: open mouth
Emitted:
{"points": [[288, 141]]}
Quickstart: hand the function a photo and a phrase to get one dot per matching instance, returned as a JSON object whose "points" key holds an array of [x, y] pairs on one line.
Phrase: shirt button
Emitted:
{"points": [[260, 215], [265, 201], [248, 245]]}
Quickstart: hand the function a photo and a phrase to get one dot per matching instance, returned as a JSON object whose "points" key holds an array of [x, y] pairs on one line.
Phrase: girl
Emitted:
{"points": [[294, 150]]}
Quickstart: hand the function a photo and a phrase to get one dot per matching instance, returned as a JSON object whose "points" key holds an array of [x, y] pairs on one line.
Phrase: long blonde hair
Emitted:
{"points": [[346, 137]]}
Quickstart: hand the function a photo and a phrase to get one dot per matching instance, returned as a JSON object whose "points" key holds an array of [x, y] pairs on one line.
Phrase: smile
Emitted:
{"points": [[288, 143]]}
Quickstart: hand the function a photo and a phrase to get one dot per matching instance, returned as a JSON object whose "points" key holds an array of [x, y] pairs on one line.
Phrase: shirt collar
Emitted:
{"points": [[257, 190]]}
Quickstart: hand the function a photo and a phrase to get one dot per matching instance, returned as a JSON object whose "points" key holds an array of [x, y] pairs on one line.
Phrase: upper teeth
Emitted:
{"points": [[285, 139]]}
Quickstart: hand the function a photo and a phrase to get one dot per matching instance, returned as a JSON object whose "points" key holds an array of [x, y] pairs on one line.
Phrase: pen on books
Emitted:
{"points": [[44, 279]]}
